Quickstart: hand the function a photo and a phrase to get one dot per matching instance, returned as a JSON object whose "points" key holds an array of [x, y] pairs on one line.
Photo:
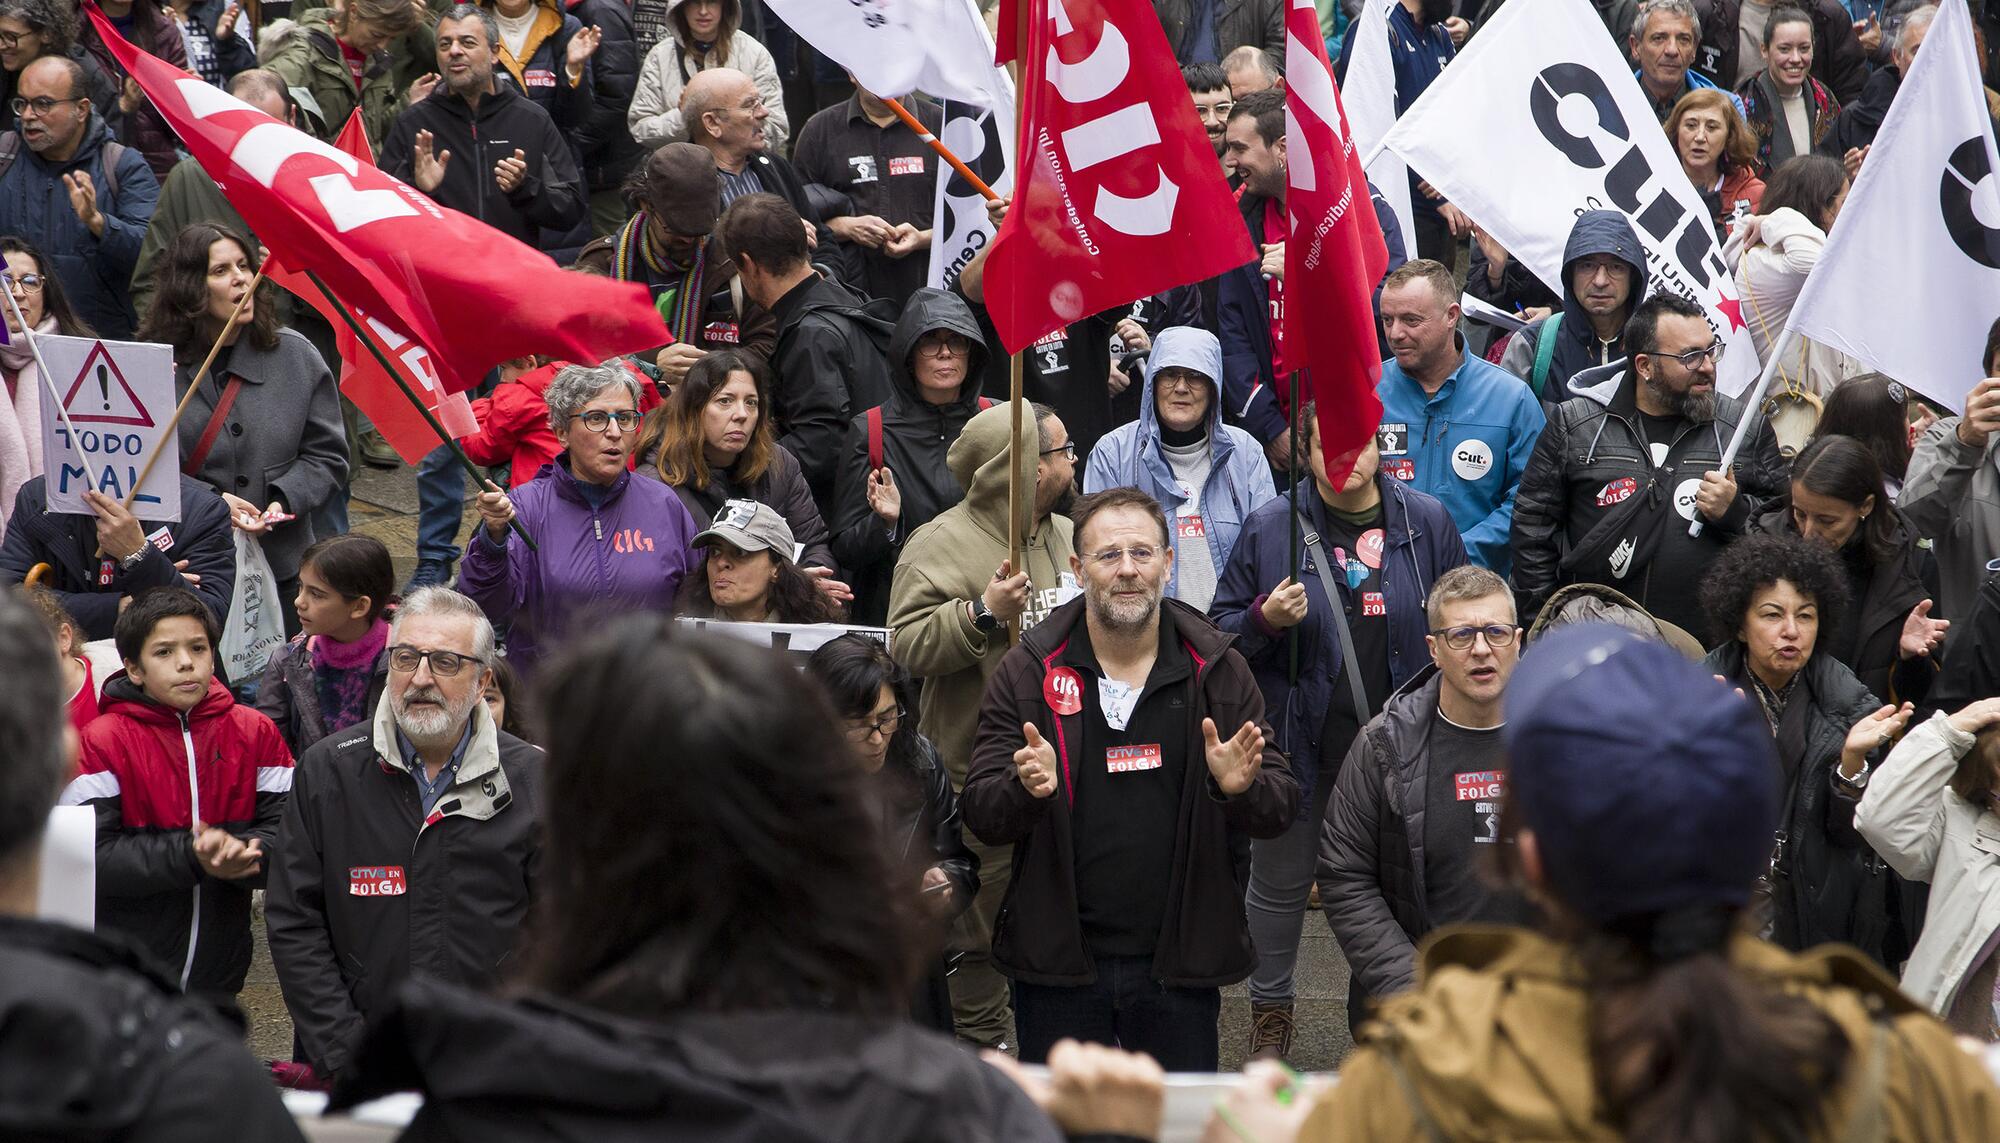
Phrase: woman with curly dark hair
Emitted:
{"points": [[1766, 598], [264, 427], [1885, 633], [750, 574], [877, 706]]}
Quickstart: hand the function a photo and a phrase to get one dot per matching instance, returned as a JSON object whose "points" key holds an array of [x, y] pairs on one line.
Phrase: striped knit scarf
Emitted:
{"points": [[686, 299]]}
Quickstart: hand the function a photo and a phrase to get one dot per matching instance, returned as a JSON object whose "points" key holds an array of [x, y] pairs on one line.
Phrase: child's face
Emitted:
{"points": [[175, 664]]}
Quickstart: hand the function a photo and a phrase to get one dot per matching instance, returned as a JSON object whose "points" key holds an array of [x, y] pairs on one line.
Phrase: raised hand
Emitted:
{"points": [[83, 200], [582, 46], [429, 169], [226, 26], [1233, 764], [884, 498], [1921, 633]]}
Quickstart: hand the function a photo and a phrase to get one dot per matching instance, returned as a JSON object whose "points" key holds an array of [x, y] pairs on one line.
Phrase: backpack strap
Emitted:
{"points": [[113, 152], [875, 439], [1545, 352], [216, 419]]}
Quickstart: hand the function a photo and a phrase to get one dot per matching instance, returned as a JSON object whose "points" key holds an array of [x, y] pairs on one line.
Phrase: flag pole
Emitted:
{"points": [[1292, 632], [1753, 402], [430, 419], [1014, 365], [173, 423], [49, 380], [943, 151]]}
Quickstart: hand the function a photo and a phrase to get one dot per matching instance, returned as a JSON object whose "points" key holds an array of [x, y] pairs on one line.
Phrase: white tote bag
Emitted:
{"points": [[255, 626]]}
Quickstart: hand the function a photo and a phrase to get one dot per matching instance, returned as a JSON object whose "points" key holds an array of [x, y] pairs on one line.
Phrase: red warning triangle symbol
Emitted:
{"points": [[101, 395]]}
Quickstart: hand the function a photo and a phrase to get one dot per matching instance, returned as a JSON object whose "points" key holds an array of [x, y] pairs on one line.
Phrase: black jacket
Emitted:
{"points": [[782, 486], [538, 1068], [68, 545], [1861, 117], [1830, 885], [1972, 655], [288, 694], [915, 437], [1838, 60], [551, 194], [96, 1045], [1204, 939], [1371, 849], [601, 138], [344, 930], [1591, 445], [829, 361]]}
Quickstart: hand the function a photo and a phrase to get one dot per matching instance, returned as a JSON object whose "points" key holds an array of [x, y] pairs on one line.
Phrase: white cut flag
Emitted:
{"points": [[1909, 281], [1540, 120], [1370, 98], [982, 136], [895, 47]]}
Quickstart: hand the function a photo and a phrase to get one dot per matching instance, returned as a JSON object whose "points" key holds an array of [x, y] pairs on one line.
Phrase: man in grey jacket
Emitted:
{"points": [[1417, 803], [1951, 493]]}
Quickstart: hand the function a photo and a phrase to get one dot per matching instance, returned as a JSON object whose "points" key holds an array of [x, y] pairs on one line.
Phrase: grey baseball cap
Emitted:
{"points": [[750, 526]]}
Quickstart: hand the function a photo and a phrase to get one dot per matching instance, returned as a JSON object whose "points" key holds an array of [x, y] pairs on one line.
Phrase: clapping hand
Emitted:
{"points": [[1921, 633], [1233, 764]]}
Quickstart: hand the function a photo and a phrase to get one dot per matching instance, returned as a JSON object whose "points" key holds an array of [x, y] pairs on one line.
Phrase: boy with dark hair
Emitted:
{"points": [[188, 786]]}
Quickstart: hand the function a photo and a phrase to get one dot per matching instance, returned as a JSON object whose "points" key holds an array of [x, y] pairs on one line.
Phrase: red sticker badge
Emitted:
{"points": [[1373, 603], [1131, 759], [1617, 492], [1190, 527], [1369, 547], [375, 881], [1063, 691], [1400, 467]]}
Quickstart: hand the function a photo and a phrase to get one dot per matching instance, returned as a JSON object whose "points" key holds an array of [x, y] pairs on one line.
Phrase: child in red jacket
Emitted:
{"points": [[188, 787]]}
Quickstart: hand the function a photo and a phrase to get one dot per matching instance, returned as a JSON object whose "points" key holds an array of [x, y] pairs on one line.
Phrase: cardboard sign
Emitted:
{"points": [[120, 399]]}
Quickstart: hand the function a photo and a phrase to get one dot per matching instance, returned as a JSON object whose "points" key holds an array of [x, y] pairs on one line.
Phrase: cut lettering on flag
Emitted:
{"points": [[982, 136], [1921, 226], [1540, 119], [1334, 252], [1369, 95], [474, 296], [894, 47], [1116, 177]]}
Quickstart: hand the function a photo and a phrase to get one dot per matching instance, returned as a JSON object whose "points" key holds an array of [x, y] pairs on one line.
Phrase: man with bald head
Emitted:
{"points": [[725, 114], [78, 194]]}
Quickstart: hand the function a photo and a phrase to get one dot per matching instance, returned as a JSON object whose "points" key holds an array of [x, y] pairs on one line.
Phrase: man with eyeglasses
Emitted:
{"points": [[1208, 86], [726, 114], [81, 196], [1123, 752], [409, 844], [1625, 467], [1418, 801]]}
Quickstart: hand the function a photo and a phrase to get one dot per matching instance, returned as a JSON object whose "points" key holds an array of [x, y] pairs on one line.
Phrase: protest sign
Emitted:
{"points": [[120, 399], [797, 639]]}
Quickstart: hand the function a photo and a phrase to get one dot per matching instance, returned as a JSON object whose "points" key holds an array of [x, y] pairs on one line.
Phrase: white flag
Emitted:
{"points": [[1540, 120], [895, 47], [1370, 98], [981, 134], [1910, 278]]}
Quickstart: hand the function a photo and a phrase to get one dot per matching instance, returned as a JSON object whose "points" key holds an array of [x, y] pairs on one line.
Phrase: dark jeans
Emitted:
{"points": [[1126, 1008], [440, 505]]}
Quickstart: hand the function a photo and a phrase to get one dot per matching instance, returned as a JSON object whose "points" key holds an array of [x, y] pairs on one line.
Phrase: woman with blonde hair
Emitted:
{"points": [[1719, 154]]}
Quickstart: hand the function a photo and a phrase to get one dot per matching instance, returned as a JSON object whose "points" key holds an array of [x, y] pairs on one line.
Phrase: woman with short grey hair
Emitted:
{"points": [[604, 542]]}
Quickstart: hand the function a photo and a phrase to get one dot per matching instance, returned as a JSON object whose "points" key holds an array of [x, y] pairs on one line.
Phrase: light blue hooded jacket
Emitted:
{"points": [[1239, 479]]}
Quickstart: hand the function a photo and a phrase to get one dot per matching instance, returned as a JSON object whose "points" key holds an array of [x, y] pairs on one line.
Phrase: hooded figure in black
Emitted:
{"points": [[900, 445], [1551, 351]]}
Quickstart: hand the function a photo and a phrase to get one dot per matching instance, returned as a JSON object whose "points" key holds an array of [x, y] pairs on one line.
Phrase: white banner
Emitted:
{"points": [[1370, 98], [981, 134], [1921, 227], [1540, 120], [120, 398], [894, 47], [800, 639]]}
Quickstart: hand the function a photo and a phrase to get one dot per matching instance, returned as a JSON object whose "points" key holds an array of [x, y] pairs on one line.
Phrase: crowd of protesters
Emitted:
{"points": [[1621, 827]]}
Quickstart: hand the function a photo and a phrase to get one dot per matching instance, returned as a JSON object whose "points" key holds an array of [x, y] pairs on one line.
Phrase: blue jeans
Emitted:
{"points": [[1125, 1008], [440, 505]]}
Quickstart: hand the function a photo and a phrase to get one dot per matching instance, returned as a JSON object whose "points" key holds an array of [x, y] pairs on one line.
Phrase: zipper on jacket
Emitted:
{"points": [[194, 817], [479, 154]]}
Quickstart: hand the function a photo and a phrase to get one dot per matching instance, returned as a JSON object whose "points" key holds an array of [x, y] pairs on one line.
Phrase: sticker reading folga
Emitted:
{"points": [[1131, 759], [376, 881]]}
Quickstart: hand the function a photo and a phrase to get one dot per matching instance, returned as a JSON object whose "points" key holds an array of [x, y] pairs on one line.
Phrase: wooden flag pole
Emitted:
{"points": [[943, 151], [173, 423], [1014, 366], [382, 359]]}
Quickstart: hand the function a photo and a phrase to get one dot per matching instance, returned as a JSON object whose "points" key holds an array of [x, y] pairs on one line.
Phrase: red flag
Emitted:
{"points": [[1334, 253], [1119, 195], [474, 296]]}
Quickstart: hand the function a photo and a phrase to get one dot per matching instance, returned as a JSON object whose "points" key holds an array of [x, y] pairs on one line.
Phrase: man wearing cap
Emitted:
{"points": [[1651, 1013], [1418, 799], [668, 247]]}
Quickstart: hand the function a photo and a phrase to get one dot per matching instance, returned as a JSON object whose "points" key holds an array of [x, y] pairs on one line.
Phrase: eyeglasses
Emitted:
{"points": [[885, 726], [1693, 358], [12, 39], [41, 104], [597, 420], [949, 346], [1068, 450], [1112, 557], [1170, 380], [1460, 638], [29, 283], [444, 664]]}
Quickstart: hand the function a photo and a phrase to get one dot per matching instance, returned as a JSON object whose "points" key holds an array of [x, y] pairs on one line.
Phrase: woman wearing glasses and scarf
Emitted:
{"points": [[871, 693], [1767, 597], [605, 542]]}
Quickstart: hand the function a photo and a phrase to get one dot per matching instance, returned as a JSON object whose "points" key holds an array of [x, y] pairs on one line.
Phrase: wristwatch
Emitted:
{"points": [[983, 617], [132, 561]]}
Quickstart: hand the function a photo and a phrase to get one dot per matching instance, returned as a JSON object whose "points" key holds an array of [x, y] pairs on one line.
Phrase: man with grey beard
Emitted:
{"points": [[1122, 751], [414, 835], [1624, 467]]}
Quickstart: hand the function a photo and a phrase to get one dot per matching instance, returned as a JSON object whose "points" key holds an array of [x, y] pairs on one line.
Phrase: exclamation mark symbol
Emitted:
{"points": [[104, 385]]}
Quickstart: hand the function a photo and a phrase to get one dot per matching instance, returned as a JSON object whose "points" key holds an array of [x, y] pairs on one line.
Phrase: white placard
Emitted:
{"points": [[120, 398]]}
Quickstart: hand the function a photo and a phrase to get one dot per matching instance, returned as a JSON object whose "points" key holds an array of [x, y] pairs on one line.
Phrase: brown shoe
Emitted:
{"points": [[1270, 1030]]}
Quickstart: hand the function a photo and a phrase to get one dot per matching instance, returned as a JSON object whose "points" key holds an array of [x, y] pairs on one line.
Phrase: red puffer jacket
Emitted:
{"points": [[144, 769]]}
